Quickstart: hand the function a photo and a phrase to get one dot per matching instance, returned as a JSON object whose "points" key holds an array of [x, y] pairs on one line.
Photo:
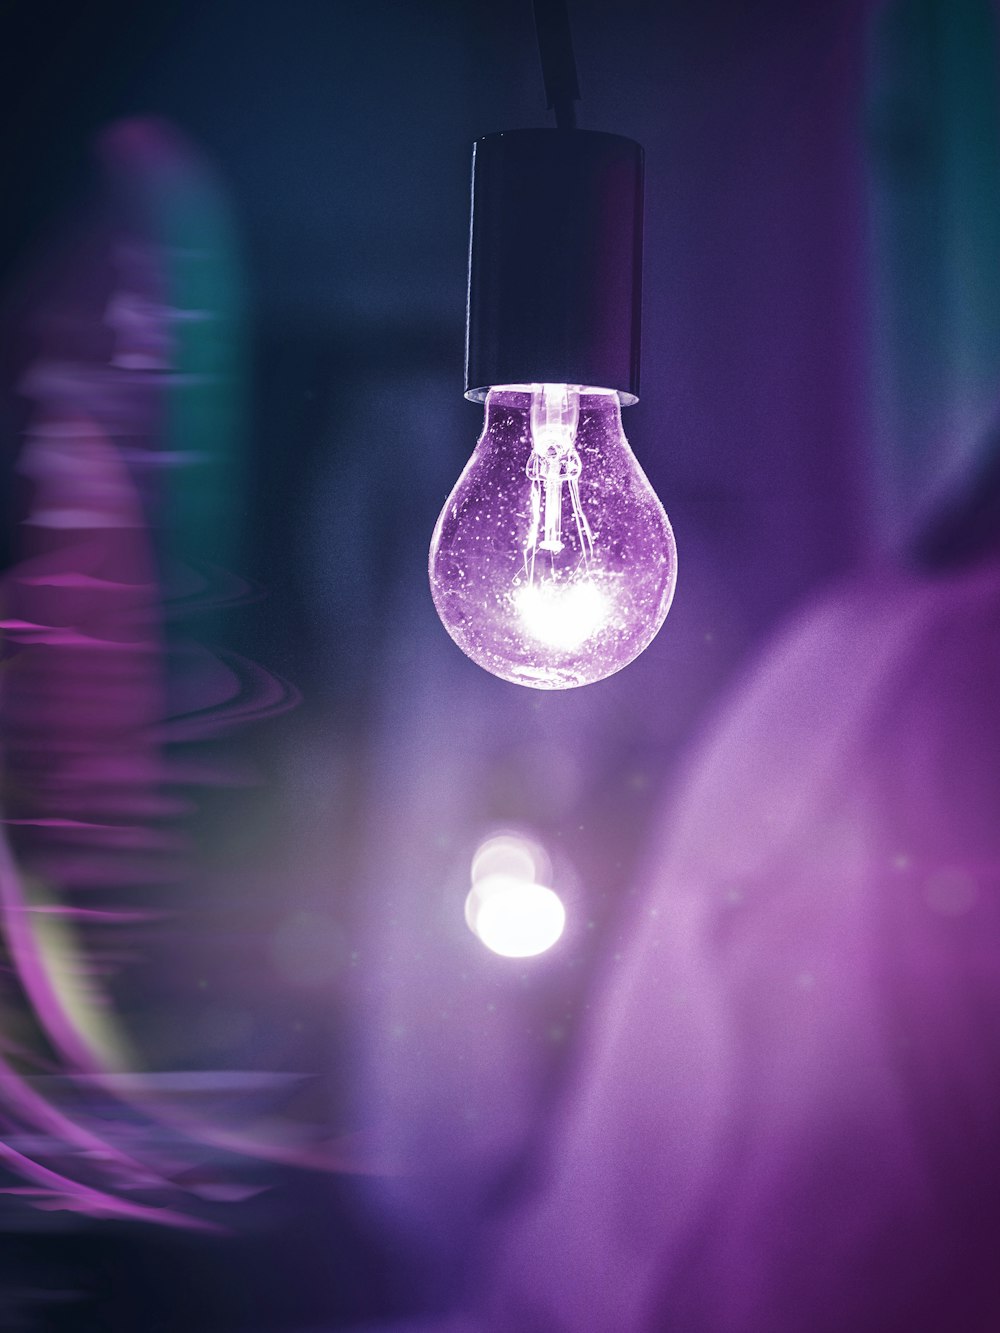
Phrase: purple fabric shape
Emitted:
{"points": [[785, 1116]]}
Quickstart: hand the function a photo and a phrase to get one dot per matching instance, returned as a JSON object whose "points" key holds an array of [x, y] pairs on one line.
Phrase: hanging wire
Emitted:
{"points": [[555, 46]]}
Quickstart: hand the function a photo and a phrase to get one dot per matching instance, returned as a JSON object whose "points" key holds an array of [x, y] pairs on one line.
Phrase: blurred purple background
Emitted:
{"points": [[261, 211]]}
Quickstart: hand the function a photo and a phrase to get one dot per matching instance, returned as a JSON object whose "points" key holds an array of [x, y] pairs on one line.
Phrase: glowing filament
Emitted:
{"points": [[559, 610], [562, 615], [553, 463]]}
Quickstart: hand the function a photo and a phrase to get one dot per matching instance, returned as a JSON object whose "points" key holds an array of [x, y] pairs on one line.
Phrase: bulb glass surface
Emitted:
{"points": [[553, 563]]}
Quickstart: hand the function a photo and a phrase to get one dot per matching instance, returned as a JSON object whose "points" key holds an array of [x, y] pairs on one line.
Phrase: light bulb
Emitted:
{"points": [[553, 563]]}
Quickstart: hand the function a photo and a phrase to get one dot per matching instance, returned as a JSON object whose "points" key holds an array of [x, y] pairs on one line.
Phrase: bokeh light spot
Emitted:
{"points": [[513, 855], [514, 917]]}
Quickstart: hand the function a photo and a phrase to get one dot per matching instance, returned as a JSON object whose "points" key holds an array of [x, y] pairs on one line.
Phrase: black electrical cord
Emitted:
{"points": [[555, 46]]}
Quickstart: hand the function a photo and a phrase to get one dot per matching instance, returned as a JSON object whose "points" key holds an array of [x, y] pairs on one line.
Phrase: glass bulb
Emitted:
{"points": [[553, 563]]}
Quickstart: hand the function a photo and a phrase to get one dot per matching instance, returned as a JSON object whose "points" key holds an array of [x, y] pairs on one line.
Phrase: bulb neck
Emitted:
{"points": [[555, 261]]}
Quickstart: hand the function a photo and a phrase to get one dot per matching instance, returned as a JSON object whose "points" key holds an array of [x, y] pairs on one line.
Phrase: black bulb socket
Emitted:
{"points": [[555, 261]]}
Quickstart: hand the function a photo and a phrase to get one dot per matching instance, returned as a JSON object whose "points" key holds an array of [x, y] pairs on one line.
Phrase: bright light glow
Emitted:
{"points": [[507, 908], [562, 615], [514, 917]]}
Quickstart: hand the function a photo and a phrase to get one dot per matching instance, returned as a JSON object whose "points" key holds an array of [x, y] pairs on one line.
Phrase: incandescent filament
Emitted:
{"points": [[559, 603], [553, 463]]}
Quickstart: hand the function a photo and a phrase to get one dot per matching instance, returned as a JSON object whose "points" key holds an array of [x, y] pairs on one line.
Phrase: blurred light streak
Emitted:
{"points": [[128, 466]]}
